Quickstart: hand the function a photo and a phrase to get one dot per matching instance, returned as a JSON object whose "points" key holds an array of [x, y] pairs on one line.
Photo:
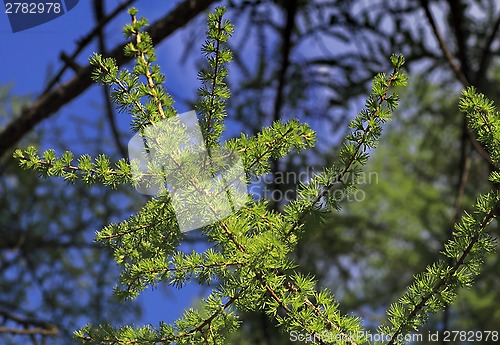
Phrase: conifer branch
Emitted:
{"points": [[194, 270], [90, 172], [143, 56], [29, 326], [272, 143], [141, 226], [106, 68], [448, 279], [148, 336], [208, 320], [49, 103], [436, 288], [363, 137], [292, 288], [216, 72], [252, 244], [130, 230], [142, 256], [483, 120]]}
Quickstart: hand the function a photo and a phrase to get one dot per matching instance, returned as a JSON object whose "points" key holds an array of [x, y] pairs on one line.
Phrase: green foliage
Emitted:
{"points": [[438, 286], [44, 240], [91, 172], [214, 90], [483, 120], [139, 92], [250, 264]]}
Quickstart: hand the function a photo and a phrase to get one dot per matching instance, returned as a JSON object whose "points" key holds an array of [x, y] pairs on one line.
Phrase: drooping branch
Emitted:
{"points": [[51, 102]]}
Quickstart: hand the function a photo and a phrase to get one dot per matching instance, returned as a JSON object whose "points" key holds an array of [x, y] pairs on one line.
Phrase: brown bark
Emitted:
{"points": [[50, 102]]}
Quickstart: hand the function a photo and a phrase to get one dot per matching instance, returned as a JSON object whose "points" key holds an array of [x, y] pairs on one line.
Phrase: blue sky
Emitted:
{"points": [[28, 57], [47, 41]]}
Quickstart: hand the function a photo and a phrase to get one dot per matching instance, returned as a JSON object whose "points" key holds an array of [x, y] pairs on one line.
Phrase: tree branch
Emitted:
{"points": [[446, 52], [457, 17], [49, 103], [110, 114], [291, 12], [486, 53], [30, 326], [83, 42], [459, 73]]}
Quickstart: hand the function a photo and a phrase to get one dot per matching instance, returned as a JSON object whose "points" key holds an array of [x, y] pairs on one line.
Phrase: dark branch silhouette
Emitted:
{"points": [[49, 103], [82, 43], [27, 326], [110, 114]]}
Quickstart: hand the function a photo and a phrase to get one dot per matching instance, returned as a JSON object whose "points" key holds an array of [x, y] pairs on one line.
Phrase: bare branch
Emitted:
{"points": [[446, 51], [287, 45], [110, 114], [486, 53], [49, 103], [457, 17], [28, 326], [83, 42]]}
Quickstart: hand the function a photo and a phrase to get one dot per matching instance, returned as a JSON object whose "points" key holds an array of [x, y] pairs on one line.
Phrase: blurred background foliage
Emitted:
{"points": [[313, 60]]}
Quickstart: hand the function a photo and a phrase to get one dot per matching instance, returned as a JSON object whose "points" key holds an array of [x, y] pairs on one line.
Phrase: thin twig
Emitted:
{"points": [[110, 114], [82, 43], [458, 73], [49, 103], [444, 47], [457, 17], [30, 326]]}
